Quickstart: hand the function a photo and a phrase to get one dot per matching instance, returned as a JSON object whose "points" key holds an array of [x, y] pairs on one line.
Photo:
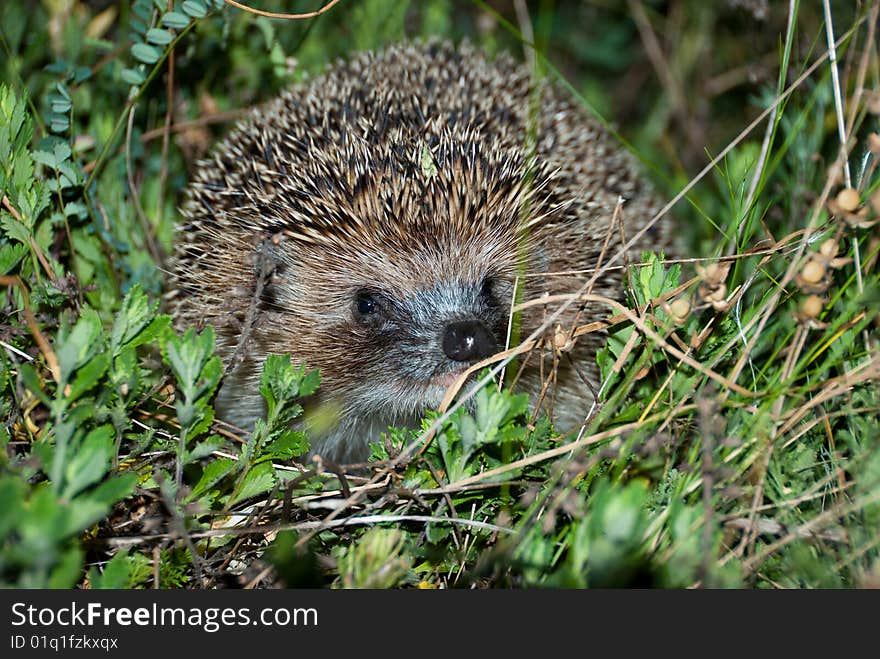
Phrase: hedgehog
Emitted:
{"points": [[378, 222]]}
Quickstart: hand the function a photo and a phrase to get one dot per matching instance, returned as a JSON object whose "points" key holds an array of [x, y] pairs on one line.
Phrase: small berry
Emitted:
{"points": [[813, 272], [679, 309], [812, 306], [848, 199], [829, 248]]}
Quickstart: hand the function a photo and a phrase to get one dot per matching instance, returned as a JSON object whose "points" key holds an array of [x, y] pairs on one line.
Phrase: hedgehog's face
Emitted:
{"points": [[394, 345], [421, 340]]}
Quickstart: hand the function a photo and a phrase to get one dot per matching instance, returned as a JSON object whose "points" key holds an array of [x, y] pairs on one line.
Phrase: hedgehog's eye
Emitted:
{"points": [[365, 304]]}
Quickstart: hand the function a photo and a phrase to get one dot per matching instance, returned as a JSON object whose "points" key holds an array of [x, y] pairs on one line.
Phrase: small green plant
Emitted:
{"points": [[282, 384], [79, 481], [378, 560], [197, 372]]}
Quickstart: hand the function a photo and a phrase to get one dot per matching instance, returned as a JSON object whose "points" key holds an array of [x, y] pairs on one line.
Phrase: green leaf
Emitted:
{"points": [[214, 472], [151, 332], [59, 123], [206, 417], [11, 503], [10, 255], [379, 559], [90, 462], [69, 177], [88, 376], [138, 25], [209, 378], [279, 381], [67, 571], [289, 444], [75, 208], [175, 20], [142, 9], [114, 489], [203, 449], [623, 513], [194, 8], [32, 381], [81, 74], [61, 150], [78, 345], [45, 158], [146, 53], [89, 508], [61, 106], [16, 130], [15, 229], [133, 316], [133, 77], [115, 574], [43, 517], [125, 368], [188, 357], [198, 374], [309, 384], [259, 480], [159, 37], [435, 533], [426, 162], [82, 514]]}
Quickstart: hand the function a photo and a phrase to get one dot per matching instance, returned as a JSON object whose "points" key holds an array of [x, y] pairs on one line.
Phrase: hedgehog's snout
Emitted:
{"points": [[468, 341]]}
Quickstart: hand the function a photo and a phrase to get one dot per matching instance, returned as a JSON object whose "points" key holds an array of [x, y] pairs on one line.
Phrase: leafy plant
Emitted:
{"points": [[77, 450], [282, 384]]}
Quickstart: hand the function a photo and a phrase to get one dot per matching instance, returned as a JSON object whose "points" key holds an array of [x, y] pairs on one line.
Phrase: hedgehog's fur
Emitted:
{"points": [[417, 175]]}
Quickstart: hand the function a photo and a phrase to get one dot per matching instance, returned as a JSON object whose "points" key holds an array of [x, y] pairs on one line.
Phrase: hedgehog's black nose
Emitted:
{"points": [[468, 341]]}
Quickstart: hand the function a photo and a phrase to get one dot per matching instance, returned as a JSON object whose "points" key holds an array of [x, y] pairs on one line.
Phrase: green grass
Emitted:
{"points": [[736, 443]]}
